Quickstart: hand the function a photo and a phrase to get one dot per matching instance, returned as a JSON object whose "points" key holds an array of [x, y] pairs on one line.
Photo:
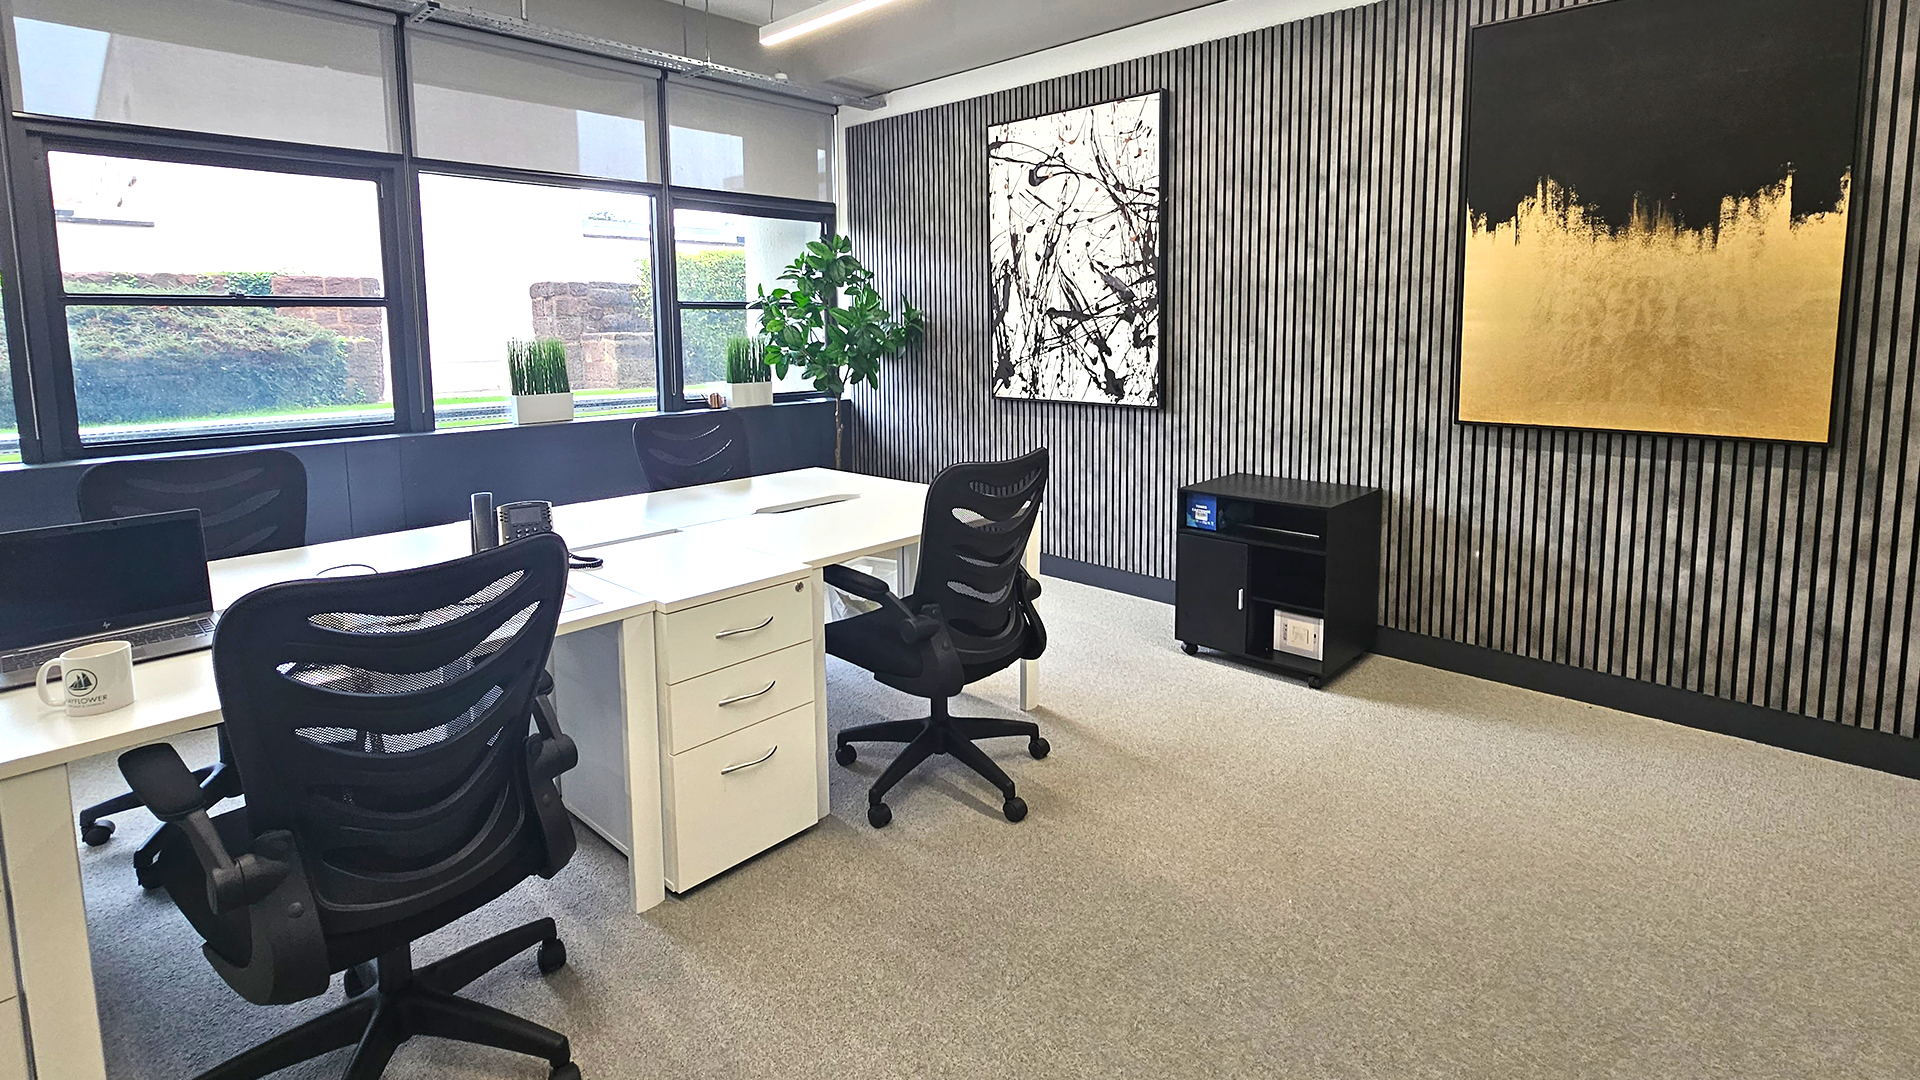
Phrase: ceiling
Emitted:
{"points": [[913, 41]]}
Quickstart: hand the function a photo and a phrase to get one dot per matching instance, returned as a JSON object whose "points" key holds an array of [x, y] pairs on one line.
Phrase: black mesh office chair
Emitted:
{"points": [[249, 502], [970, 614], [382, 725], [699, 446]]}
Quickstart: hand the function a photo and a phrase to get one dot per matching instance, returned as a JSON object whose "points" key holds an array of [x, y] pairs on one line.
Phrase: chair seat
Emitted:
{"points": [[872, 641]]}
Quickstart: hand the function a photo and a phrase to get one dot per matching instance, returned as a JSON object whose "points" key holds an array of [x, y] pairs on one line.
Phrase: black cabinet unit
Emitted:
{"points": [[1283, 573]]}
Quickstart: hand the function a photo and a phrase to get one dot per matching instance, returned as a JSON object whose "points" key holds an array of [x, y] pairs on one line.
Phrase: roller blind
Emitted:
{"points": [[724, 141], [497, 105], [232, 67]]}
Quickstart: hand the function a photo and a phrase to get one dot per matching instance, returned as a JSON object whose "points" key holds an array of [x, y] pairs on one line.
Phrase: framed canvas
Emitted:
{"points": [[1658, 200], [1076, 212]]}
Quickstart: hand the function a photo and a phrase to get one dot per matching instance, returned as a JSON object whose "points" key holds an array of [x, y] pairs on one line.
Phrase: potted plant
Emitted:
{"points": [[541, 391], [749, 382], [831, 323]]}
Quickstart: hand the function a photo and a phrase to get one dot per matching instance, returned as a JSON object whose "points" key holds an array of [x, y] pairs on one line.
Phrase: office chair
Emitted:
{"points": [[393, 787], [699, 446], [970, 614], [249, 502]]}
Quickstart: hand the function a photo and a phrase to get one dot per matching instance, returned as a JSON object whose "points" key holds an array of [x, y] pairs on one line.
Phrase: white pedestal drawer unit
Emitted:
{"points": [[736, 728], [739, 672]]}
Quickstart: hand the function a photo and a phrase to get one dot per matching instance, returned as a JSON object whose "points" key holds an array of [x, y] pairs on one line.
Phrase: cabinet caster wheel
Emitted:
{"points": [[553, 957], [569, 1071], [97, 833], [846, 755], [360, 979], [878, 815], [1190, 648], [1314, 683], [1039, 747], [1015, 809]]}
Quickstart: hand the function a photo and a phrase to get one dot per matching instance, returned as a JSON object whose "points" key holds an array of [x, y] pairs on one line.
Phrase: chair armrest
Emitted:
{"points": [[550, 752], [865, 586], [1029, 588], [162, 781], [913, 627]]}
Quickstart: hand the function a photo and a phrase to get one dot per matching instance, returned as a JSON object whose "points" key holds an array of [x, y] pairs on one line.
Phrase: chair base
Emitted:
{"points": [[940, 733], [404, 1003]]}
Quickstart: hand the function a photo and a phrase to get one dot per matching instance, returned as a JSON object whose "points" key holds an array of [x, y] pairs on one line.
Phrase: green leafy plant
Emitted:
{"points": [[743, 363], [538, 366], [831, 324], [834, 344]]}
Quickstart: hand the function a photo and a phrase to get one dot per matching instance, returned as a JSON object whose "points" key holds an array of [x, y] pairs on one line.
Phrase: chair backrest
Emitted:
{"points": [[978, 518], [699, 446], [248, 502], [383, 721]]}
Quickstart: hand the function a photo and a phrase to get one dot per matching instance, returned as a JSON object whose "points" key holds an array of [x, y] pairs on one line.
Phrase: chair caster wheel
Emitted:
{"points": [[360, 979], [878, 815], [553, 957], [147, 876], [1039, 747], [846, 755], [1015, 809], [569, 1071], [97, 833], [1190, 648]]}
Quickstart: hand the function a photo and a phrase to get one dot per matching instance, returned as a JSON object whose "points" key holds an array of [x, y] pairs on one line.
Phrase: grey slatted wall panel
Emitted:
{"points": [[1313, 237]]}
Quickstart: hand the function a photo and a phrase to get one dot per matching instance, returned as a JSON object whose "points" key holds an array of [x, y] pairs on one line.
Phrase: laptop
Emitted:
{"points": [[140, 579]]}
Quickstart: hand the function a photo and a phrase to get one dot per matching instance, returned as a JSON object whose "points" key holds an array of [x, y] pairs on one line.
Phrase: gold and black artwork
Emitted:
{"points": [[1657, 202]]}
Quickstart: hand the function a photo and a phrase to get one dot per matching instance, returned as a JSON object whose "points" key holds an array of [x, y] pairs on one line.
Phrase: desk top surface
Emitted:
{"points": [[649, 566]]}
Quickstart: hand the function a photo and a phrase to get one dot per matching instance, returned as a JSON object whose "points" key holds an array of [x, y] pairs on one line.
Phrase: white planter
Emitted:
{"points": [[539, 408], [742, 394]]}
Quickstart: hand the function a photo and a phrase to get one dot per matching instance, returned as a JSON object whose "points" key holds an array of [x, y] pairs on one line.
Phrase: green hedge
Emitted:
{"points": [[144, 364], [717, 274]]}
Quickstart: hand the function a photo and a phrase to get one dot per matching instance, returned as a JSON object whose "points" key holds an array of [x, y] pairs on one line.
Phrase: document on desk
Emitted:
{"points": [[805, 504], [577, 597]]}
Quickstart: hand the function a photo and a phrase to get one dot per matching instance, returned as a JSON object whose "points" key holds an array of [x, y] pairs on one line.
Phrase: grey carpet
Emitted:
{"points": [[1410, 874]]}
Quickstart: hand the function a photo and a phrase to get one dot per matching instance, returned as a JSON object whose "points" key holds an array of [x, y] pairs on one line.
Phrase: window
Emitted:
{"points": [[233, 222], [225, 66], [491, 105], [522, 260], [725, 141], [721, 259], [205, 301]]}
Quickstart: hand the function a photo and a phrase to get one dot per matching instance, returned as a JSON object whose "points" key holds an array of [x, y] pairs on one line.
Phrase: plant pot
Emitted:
{"points": [[539, 408], [742, 394]]}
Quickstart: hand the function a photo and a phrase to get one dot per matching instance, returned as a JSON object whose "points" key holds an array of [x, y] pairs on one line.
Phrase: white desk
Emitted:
{"points": [[607, 650]]}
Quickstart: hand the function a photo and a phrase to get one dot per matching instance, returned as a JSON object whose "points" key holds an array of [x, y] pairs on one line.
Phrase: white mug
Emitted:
{"points": [[92, 678]]}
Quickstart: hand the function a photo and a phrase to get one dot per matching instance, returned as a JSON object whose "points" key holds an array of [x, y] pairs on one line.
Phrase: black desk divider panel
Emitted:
{"points": [[1257, 554]]}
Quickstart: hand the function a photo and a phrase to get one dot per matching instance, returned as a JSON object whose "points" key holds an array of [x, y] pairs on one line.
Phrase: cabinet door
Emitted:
{"points": [[1210, 593]]}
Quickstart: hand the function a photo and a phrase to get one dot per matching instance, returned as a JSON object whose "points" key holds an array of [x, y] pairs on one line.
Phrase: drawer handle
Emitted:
{"points": [[750, 764], [768, 689], [768, 621]]}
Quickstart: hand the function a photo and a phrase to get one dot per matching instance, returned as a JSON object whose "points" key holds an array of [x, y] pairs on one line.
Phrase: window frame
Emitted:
{"points": [[35, 298], [55, 406], [740, 204], [510, 174]]}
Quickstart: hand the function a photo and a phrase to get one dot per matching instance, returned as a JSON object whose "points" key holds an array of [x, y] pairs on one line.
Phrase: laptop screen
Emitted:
{"points": [[72, 581]]}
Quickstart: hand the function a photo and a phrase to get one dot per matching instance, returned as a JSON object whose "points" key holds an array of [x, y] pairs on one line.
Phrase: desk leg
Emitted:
{"points": [[1030, 669], [906, 566], [821, 749], [639, 691], [50, 926]]}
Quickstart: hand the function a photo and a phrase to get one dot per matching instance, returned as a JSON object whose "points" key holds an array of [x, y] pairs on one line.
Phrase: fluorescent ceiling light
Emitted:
{"points": [[815, 18]]}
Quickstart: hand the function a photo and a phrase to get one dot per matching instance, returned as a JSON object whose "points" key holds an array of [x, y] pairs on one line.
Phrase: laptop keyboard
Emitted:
{"points": [[150, 636]]}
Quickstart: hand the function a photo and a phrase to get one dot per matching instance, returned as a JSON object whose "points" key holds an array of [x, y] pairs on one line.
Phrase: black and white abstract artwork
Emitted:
{"points": [[1076, 250]]}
